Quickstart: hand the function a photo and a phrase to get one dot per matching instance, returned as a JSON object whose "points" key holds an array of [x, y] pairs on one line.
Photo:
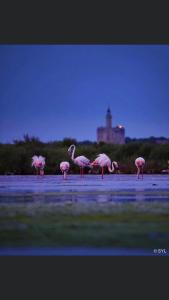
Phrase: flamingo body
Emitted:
{"points": [[81, 161], [39, 163], [139, 163], [64, 167], [103, 160]]}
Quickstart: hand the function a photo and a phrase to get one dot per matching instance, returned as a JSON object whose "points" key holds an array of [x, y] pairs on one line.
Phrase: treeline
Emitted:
{"points": [[16, 158], [151, 140]]}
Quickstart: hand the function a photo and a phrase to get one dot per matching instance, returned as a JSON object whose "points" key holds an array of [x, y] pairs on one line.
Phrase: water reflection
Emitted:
{"points": [[25, 189]]}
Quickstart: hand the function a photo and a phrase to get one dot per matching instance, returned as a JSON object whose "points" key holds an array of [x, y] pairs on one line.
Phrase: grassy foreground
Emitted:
{"points": [[105, 224]]}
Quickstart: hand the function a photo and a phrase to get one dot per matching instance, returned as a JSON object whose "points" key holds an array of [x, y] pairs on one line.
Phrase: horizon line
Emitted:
{"points": [[85, 140]]}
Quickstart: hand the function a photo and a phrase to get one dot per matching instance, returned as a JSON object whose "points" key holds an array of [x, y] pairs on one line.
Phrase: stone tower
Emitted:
{"points": [[109, 134], [109, 119]]}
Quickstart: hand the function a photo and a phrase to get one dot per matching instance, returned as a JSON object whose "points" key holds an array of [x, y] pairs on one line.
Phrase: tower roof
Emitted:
{"points": [[108, 114], [108, 110]]}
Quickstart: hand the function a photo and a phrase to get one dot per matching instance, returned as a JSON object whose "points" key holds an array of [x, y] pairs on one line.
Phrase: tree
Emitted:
{"points": [[68, 141]]}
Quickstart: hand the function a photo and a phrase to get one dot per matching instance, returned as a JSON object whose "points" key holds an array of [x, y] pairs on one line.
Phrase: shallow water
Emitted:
{"points": [[113, 187], [87, 190]]}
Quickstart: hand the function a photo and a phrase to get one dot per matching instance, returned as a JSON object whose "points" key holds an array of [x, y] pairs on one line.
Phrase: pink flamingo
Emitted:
{"points": [[103, 160], [139, 163], [39, 164], [64, 167], [81, 161]]}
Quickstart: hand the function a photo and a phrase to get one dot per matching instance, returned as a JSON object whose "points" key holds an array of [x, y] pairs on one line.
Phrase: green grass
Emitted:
{"points": [[108, 224]]}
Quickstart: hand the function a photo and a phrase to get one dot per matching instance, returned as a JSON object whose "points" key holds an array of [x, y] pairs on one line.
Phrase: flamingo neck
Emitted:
{"points": [[73, 153], [111, 169]]}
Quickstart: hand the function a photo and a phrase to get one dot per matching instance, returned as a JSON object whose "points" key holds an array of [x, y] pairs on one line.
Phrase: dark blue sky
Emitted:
{"points": [[57, 91]]}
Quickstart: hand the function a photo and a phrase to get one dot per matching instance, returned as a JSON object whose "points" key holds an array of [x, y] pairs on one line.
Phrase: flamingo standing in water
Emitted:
{"points": [[64, 167], [103, 160], [39, 163], [81, 161], [139, 163]]}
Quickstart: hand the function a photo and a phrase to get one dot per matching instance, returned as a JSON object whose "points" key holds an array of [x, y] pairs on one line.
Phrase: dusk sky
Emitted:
{"points": [[58, 91]]}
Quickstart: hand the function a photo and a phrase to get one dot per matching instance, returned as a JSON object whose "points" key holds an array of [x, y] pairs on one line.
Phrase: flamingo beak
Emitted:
{"points": [[69, 150]]}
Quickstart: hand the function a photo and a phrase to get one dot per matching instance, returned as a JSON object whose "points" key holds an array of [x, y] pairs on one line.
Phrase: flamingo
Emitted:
{"points": [[103, 160], [64, 167], [39, 164], [139, 163], [81, 161]]}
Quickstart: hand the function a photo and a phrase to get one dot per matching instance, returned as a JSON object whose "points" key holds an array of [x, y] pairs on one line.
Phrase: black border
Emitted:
{"points": [[83, 277], [84, 23]]}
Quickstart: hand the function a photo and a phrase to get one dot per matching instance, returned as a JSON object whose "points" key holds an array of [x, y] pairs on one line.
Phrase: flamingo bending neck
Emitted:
{"points": [[111, 169]]}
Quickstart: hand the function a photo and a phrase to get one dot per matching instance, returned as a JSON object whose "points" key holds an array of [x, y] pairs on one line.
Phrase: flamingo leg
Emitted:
{"points": [[102, 172], [142, 172], [64, 175], [138, 173], [41, 172], [82, 171]]}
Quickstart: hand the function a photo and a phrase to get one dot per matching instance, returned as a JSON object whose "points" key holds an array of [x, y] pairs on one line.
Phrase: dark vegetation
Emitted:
{"points": [[131, 225], [15, 158]]}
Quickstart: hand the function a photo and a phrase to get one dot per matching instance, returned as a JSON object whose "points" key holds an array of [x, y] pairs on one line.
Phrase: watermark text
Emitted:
{"points": [[160, 251]]}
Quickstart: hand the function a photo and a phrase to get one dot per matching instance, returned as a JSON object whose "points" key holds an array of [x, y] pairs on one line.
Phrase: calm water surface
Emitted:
{"points": [[113, 187]]}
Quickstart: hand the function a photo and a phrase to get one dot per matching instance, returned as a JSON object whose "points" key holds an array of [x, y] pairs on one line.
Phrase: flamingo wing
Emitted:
{"points": [[35, 160], [82, 161], [103, 160], [42, 160], [139, 162]]}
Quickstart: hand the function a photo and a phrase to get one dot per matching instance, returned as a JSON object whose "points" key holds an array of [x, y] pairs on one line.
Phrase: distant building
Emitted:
{"points": [[109, 134]]}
